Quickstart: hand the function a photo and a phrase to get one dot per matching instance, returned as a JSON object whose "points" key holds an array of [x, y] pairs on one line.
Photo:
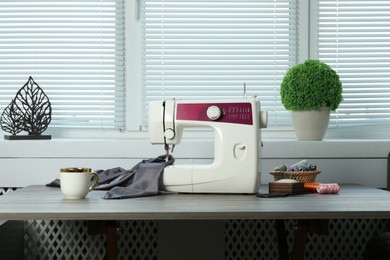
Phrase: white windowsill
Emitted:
{"points": [[189, 149]]}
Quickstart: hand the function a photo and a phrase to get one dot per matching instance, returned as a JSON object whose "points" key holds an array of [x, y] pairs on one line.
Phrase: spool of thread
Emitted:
{"points": [[328, 188], [293, 169], [311, 186], [298, 163], [322, 188], [281, 168], [312, 167], [304, 167]]}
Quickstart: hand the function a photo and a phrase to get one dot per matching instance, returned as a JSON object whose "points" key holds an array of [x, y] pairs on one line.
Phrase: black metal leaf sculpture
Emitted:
{"points": [[29, 111], [12, 119], [36, 106]]}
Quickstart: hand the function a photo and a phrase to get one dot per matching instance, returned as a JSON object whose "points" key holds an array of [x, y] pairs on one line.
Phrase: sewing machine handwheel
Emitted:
{"points": [[214, 112]]}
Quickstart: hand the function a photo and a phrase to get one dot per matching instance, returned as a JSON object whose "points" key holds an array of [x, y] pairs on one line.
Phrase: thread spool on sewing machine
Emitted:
{"points": [[237, 137]]}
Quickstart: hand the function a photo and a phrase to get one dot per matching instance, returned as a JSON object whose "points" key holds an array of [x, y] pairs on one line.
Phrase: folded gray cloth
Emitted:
{"points": [[140, 181]]}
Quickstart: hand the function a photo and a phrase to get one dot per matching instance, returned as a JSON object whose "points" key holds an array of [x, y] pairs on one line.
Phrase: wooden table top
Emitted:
{"points": [[40, 202]]}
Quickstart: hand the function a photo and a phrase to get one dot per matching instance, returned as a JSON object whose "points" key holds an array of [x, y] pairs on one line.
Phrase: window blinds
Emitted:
{"points": [[354, 39], [207, 50], [74, 50]]}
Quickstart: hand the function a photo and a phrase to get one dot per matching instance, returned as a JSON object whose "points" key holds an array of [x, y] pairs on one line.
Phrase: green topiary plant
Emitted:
{"points": [[310, 86]]}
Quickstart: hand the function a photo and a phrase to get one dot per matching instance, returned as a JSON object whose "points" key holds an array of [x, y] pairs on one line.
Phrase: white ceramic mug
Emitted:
{"points": [[77, 182]]}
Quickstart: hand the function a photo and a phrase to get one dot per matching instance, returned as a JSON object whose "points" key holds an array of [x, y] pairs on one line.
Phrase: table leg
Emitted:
{"points": [[317, 226], [107, 228], [300, 240], [282, 239]]}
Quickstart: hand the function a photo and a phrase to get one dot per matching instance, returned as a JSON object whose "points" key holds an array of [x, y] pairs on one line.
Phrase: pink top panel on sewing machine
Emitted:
{"points": [[236, 113]]}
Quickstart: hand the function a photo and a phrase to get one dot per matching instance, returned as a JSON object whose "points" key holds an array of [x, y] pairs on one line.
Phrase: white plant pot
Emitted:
{"points": [[310, 125]]}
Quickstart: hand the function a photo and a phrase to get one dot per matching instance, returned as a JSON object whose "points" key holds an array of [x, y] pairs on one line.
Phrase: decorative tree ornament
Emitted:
{"points": [[29, 111]]}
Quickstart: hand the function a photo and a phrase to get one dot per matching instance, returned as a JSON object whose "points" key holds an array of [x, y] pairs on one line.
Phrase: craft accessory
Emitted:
{"points": [[306, 176], [328, 188], [293, 169], [298, 163], [271, 195], [304, 167], [286, 186], [307, 167], [281, 168], [311, 186]]}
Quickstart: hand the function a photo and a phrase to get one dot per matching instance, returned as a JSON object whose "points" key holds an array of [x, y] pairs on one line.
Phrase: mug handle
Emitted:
{"points": [[95, 181]]}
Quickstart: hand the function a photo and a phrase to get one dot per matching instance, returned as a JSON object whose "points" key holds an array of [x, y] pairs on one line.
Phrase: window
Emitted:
{"points": [[190, 50], [354, 39], [74, 50], [208, 50]]}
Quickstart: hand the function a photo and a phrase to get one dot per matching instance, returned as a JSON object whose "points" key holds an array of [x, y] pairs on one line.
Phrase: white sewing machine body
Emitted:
{"points": [[236, 126]]}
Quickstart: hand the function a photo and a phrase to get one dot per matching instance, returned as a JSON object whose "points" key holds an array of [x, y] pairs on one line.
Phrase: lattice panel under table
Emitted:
{"points": [[52, 240], [244, 239], [256, 239], [61, 240]]}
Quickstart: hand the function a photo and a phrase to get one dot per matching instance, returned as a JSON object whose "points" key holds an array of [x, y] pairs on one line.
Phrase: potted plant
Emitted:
{"points": [[311, 90]]}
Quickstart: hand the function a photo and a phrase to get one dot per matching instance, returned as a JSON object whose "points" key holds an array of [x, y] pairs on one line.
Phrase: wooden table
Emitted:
{"points": [[44, 203], [40, 202]]}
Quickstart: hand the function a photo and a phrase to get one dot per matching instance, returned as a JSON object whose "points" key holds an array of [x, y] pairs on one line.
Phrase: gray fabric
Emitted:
{"points": [[140, 181]]}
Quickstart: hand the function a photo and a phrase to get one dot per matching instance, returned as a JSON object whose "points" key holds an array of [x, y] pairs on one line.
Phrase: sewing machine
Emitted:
{"points": [[236, 126]]}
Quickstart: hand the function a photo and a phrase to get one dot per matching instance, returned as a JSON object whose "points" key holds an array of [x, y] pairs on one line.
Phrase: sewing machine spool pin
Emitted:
{"points": [[244, 91]]}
